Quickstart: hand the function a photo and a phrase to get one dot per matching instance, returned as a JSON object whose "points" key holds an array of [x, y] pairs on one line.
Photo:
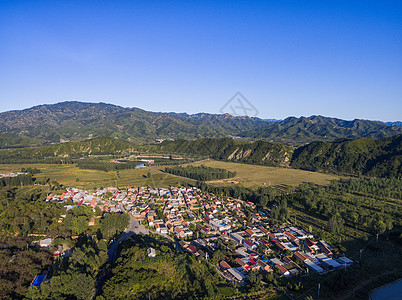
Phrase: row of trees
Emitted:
{"points": [[262, 197], [202, 172], [105, 165], [19, 180], [365, 204]]}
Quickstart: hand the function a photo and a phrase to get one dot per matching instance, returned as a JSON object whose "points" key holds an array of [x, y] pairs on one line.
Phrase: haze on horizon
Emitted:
{"points": [[339, 59]]}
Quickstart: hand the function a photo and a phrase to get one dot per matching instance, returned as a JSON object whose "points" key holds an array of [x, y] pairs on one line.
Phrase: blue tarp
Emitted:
{"points": [[38, 280]]}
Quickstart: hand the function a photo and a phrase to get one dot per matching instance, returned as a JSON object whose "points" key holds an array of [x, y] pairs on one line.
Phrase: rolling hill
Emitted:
{"points": [[258, 152], [365, 156], [373, 157]]}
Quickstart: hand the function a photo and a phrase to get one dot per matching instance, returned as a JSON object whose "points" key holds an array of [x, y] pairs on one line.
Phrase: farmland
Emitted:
{"points": [[254, 176], [250, 176], [71, 175]]}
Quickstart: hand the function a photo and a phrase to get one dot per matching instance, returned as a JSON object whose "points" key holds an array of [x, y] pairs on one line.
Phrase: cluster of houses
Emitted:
{"points": [[204, 223], [199, 220], [98, 198]]}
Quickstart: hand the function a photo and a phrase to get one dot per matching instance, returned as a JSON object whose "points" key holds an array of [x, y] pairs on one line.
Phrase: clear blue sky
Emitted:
{"points": [[289, 58]]}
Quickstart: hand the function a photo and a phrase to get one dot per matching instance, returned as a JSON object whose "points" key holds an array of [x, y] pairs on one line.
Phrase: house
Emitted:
{"points": [[291, 237], [258, 232], [263, 230], [241, 252], [253, 264], [300, 256], [344, 260], [331, 263], [45, 242], [276, 261], [282, 270], [224, 265], [250, 232], [205, 230], [280, 246], [161, 228], [265, 267], [192, 249], [237, 237], [240, 262], [150, 220], [179, 232], [249, 244], [184, 244], [311, 245], [313, 266], [326, 250], [151, 252], [236, 274]]}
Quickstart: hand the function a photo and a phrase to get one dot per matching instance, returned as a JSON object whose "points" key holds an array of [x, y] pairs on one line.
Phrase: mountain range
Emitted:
{"points": [[72, 120]]}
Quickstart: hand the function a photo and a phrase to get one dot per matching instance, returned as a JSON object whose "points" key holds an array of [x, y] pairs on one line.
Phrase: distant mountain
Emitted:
{"points": [[303, 130], [396, 123], [71, 120], [374, 157], [76, 121]]}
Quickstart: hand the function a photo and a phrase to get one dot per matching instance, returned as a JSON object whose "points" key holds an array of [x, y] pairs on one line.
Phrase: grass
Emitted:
{"points": [[72, 176], [254, 176]]}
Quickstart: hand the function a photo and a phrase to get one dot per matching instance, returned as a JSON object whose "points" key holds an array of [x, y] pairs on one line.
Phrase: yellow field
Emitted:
{"points": [[254, 176], [68, 174]]}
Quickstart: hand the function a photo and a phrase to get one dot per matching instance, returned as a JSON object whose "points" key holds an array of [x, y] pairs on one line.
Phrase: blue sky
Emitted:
{"points": [[288, 58]]}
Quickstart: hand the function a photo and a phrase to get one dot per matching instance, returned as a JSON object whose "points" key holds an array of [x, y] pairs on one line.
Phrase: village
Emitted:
{"points": [[231, 234]]}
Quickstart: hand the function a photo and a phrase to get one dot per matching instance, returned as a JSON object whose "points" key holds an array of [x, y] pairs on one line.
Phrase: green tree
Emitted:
{"points": [[336, 224]]}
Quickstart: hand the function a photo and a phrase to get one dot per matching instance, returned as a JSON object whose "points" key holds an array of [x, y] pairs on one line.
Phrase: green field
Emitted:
{"points": [[254, 176], [72, 176]]}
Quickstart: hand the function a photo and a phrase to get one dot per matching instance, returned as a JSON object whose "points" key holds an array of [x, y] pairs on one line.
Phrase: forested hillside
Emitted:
{"points": [[66, 151], [374, 157], [259, 152]]}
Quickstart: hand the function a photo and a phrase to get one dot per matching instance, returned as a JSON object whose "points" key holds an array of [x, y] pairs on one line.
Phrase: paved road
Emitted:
{"points": [[134, 227]]}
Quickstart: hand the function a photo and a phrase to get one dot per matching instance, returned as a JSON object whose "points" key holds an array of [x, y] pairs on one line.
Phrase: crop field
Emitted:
{"points": [[253, 176], [72, 176]]}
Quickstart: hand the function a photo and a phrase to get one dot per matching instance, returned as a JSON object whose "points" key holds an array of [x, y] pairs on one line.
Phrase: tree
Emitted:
{"points": [[113, 223], [336, 223], [379, 227], [218, 256]]}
